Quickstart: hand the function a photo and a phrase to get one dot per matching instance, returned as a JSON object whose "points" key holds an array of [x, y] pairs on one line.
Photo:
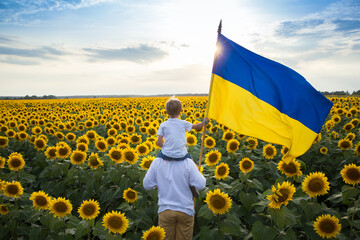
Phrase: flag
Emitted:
{"points": [[258, 97]]}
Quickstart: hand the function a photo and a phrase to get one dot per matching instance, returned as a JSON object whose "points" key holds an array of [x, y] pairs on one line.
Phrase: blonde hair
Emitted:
{"points": [[173, 106]]}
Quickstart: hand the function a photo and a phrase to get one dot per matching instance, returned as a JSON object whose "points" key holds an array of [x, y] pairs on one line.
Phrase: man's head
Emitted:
{"points": [[173, 106]]}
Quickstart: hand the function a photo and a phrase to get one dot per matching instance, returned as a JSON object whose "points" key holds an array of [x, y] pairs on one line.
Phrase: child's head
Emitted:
{"points": [[173, 106]]}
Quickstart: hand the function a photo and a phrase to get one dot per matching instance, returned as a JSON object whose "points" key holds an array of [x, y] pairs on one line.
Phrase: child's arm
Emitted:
{"points": [[198, 126], [159, 141]]}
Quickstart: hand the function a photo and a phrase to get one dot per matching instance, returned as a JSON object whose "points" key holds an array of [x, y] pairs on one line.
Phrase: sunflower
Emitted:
{"points": [[142, 149], [323, 150], [63, 150], [153, 233], [22, 135], [40, 200], [101, 145], [209, 142], [111, 141], [125, 140], [60, 136], [232, 145], [357, 149], [191, 139], [318, 138], [15, 161], [36, 130], [228, 135], [70, 137], [351, 174], [60, 207], [40, 144], [345, 144], [130, 155], [218, 202], [91, 134], [2, 162], [4, 141], [291, 169], [13, 189], [82, 146], [51, 152], [351, 136], [130, 195], [83, 139], [355, 121], [222, 171], [78, 157], [146, 162], [135, 138], [116, 222], [149, 145], [335, 135], [327, 226], [252, 143], [246, 165], [112, 132], [284, 150], [315, 184], [348, 127], [4, 209], [89, 209], [94, 161], [21, 127], [2, 185], [213, 157], [143, 129], [116, 155], [281, 195], [131, 129], [269, 151]]}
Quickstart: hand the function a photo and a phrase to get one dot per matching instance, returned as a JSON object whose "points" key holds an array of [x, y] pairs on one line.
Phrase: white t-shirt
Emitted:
{"points": [[173, 131]]}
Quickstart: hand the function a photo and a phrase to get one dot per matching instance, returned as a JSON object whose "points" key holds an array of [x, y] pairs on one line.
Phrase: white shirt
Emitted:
{"points": [[173, 180], [173, 130]]}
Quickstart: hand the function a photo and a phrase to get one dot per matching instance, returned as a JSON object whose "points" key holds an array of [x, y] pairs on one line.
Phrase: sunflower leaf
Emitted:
{"points": [[260, 231]]}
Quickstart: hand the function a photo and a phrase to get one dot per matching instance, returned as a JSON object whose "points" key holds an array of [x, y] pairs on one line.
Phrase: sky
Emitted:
{"points": [[143, 47]]}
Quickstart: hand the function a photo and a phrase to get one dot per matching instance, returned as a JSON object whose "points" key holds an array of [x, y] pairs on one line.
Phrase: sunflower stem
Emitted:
{"points": [[352, 219], [218, 222], [64, 227]]}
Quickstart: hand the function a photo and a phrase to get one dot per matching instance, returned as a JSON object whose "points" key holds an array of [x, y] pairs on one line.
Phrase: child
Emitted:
{"points": [[173, 130], [172, 172]]}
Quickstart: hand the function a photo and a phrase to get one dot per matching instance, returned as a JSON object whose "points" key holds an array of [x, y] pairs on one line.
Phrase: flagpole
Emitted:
{"points": [[209, 98]]}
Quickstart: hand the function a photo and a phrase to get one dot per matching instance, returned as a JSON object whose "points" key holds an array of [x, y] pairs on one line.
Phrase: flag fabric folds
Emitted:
{"points": [[261, 98]]}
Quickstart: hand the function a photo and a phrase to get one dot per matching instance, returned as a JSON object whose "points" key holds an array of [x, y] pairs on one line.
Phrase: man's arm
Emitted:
{"points": [[150, 181], [196, 178]]}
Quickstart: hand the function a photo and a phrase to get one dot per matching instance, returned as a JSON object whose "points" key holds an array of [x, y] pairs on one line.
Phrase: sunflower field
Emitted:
{"points": [[73, 169]]}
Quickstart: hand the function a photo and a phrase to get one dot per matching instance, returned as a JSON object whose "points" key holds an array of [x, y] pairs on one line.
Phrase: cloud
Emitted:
{"points": [[43, 52], [295, 28], [23, 12], [140, 54]]}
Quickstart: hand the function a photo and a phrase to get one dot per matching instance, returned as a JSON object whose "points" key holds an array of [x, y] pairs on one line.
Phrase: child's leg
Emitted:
{"points": [[184, 226], [167, 220]]}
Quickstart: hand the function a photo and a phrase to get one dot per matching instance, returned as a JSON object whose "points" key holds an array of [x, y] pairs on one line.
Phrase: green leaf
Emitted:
{"points": [[282, 217], [232, 225], [248, 199], [82, 229], [349, 193], [254, 183], [36, 234], [205, 212], [260, 231]]}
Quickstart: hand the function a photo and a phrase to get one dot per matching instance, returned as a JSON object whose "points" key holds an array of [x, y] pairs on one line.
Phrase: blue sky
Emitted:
{"points": [[95, 47]]}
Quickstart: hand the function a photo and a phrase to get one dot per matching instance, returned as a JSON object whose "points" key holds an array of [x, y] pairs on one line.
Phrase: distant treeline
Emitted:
{"points": [[341, 93], [334, 93], [30, 97]]}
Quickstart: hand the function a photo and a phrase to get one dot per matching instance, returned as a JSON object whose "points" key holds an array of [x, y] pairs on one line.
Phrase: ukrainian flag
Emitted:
{"points": [[261, 98]]}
